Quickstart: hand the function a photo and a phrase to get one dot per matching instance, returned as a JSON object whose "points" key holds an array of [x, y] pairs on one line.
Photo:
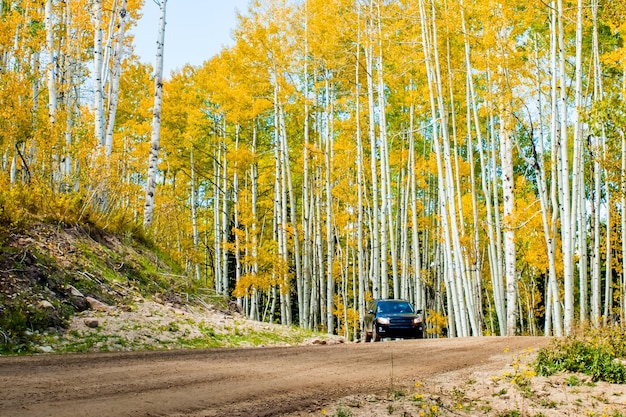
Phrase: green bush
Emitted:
{"points": [[597, 353]]}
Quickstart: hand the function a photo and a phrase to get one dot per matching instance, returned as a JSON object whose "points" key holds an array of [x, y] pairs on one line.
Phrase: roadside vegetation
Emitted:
{"points": [[579, 375], [598, 353]]}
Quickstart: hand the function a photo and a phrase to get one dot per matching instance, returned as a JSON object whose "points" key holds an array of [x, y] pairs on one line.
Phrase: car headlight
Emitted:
{"points": [[417, 320], [383, 320]]}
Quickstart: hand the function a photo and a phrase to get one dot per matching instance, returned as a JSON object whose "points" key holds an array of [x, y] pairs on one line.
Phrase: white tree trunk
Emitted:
{"points": [[307, 247], [387, 235], [360, 186], [254, 180], [496, 276], [508, 197], [418, 288], [156, 122], [375, 271], [116, 73], [452, 289], [553, 299], [565, 200], [52, 56], [330, 247], [577, 160], [98, 62], [194, 213]]}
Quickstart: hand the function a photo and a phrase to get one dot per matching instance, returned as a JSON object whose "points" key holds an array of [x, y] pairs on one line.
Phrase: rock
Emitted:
{"points": [[319, 342], [79, 303], [45, 349], [233, 307], [74, 292], [45, 304], [97, 305], [91, 323]]}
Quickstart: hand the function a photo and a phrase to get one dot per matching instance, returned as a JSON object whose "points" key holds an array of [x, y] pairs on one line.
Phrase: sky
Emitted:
{"points": [[195, 31]]}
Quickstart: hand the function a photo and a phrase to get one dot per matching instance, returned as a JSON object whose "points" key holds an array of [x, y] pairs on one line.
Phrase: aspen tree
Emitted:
{"points": [[236, 208], [496, 277], [402, 291], [548, 212], [307, 249], [576, 224], [596, 242], [254, 180], [328, 188], [596, 200], [387, 240], [52, 56], [565, 198], [506, 152], [293, 217], [377, 274], [51, 77], [416, 294], [454, 307], [224, 210], [608, 277], [98, 65], [362, 284], [553, 300], [194, 211], [467, 317], [285, 186], [156, 121], [116, 69], [508, 181]]}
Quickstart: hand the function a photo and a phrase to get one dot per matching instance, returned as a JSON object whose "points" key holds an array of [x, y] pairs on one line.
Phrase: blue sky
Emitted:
{"points": [[195, 31]]}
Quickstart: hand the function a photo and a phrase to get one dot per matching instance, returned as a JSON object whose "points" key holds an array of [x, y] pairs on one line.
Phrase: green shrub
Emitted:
{"points": [[597, 353]]}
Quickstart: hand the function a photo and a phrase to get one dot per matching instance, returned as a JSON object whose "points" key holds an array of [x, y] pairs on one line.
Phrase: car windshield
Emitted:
{"points": [[395, 307]]}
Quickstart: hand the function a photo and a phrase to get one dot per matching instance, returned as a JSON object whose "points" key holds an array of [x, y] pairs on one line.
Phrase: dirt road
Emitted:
{"points": [[233, 382]]}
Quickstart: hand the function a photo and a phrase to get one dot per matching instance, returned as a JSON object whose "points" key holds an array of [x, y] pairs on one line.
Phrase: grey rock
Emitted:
{"points": [[98, 305], [74, 291], [91, 323]]}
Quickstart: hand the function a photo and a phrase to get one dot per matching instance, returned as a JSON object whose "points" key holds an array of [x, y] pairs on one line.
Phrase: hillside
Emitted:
{"points": [[68, 288]]}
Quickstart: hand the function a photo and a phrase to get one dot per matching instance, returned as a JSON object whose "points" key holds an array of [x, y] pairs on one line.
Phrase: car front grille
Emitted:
{"points": [[401, 322]]}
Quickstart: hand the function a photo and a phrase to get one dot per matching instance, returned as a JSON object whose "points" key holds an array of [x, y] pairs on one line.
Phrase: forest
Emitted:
{"points": [[466, 155]]}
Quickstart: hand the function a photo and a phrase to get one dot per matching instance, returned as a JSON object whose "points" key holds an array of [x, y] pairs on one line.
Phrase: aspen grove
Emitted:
{"points": [[466, 155]]}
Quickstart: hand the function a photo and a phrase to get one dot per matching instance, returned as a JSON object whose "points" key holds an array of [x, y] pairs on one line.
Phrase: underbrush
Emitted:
{"points": [[599, 353]]}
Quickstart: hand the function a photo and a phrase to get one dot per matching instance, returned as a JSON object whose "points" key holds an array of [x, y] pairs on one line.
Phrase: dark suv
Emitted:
{"points": [[392, 319]]}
